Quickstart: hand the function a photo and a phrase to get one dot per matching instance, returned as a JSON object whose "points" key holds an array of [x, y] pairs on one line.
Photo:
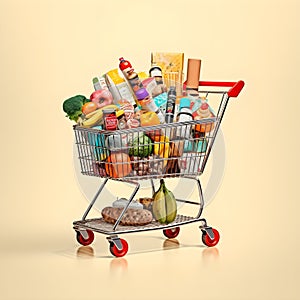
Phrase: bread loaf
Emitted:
{"points": [[132, 217]]}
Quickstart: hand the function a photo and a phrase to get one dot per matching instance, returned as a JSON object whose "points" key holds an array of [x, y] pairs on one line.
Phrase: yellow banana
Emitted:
{"points": [[88, 116], [162, 148], [95, 118], [171, 206]]}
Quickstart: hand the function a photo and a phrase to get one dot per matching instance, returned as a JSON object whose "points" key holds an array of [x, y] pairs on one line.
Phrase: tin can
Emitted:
{"points": [[110, 120]]}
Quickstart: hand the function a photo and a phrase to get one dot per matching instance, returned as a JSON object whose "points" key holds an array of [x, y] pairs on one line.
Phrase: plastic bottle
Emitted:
{"points": [[131, 76], [124, 66], [184, 115], [134, 80], [170, 107], [147, 103]]}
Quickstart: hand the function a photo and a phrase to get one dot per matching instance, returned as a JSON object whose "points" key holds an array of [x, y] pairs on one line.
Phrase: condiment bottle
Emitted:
{"points": [[134, 80], [124, 66], [147, 103], [131, 76], [170, 107]]}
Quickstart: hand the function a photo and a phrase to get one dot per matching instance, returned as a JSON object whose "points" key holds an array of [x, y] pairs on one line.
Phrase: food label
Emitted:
{"points": [[135, 83], [111, 122]]}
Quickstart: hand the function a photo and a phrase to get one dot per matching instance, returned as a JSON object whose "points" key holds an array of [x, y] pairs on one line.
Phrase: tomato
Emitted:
{"points": [[88, 107]]}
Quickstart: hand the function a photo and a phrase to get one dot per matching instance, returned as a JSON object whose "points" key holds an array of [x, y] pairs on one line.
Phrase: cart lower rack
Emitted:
{"points": [[146, 153]]}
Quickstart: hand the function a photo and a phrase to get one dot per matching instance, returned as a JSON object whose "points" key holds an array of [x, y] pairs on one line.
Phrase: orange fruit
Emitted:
{"points": [[118, 165]]}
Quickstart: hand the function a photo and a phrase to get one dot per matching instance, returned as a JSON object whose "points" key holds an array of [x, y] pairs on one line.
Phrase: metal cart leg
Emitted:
{"points": [[206, 229], [127, 205], [115, 240], [94, 199], [200, 196], [153, 187]]}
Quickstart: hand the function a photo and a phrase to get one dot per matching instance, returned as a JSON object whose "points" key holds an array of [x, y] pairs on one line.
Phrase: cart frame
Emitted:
{"points": [[118, 247]]}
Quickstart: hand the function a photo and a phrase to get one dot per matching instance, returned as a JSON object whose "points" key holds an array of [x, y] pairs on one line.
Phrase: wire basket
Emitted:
{"points": [[166, 150]]}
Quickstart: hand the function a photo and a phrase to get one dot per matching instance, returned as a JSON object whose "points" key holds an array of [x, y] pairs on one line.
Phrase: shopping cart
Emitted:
{"points": [[184, 154]]}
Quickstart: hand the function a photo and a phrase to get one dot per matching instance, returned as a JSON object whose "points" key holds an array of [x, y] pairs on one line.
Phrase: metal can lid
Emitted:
{"points": [[109, 111]]}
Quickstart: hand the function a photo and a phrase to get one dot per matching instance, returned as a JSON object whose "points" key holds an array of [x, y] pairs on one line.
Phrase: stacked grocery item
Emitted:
{"points": [[161, 207], [141, 124]]}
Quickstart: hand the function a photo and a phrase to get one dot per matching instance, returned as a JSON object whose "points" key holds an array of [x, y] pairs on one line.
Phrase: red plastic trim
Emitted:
{"points": [[236, 87]]}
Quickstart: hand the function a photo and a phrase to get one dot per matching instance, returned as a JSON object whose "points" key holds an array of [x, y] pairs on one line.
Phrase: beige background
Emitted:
{"points": [[50, 50]]}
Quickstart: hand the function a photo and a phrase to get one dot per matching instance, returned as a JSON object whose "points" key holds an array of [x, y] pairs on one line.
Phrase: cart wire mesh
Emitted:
{"points": [[167, 150]]}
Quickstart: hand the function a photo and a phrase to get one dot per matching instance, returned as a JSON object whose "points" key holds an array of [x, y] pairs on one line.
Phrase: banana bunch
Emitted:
{"points": [[164, 207], [96, 117]]}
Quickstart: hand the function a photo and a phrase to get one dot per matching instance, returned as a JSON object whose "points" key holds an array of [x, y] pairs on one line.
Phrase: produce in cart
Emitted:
{"points": [[122, 133]]}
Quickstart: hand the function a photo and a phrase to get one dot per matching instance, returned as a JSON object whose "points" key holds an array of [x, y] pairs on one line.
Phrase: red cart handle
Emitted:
{"points": [[236, 87]]}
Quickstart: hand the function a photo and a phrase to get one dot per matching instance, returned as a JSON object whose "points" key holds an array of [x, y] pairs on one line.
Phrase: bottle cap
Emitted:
{"points": [[184, 102], [124, 64], [141, 94]]}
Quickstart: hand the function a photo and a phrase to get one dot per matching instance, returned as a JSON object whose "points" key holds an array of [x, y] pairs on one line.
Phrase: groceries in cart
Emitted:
{"points": [[142, 125], [161, 208], [137, 126]]}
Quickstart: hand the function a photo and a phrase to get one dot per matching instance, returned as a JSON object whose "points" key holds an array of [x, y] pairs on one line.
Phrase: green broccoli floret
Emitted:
{"points": [[73, 105]]}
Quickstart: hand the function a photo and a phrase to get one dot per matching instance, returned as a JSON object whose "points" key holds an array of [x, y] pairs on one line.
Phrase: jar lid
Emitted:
{"points": [[184, 102], [141, 94], [108, 111]]}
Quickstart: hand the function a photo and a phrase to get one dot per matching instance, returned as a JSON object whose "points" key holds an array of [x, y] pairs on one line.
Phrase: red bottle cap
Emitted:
{"points": [[124, 64]]}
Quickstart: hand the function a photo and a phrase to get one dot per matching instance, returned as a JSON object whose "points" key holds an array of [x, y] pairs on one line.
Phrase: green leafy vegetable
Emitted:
{"points": [[73, 105]]}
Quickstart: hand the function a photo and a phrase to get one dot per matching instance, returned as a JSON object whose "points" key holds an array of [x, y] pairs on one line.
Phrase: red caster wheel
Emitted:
{"points": [[171, 232], [118, 252], [208, 241], [85, 240]]}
